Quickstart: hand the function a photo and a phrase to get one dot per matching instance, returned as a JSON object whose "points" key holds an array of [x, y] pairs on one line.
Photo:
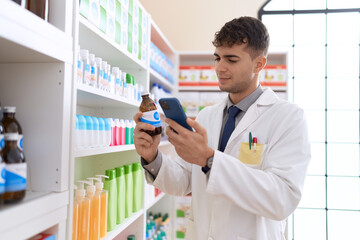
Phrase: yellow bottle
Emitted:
{"points": [[104, 204], [84, 212], [75, 220], [94, 233]]}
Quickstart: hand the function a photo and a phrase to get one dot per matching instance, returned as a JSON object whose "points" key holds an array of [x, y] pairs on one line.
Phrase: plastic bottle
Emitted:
{"points": [[133, 125], [75, 219], [100, 71], [96, 139], [15, 166], [93, 70], [155, 91], [110, 186], [120, 184], [107, 131], [138, 186], [129, 192], [89, 136], [94, 230], [2, 180], [130, 86], [113, 132], [81, 131], [2, 142], [102, 139], [118, 82], [11, 125], [86, 71], [112, 81], [84, 212], [80, 67], [150, 114], [120, 132], [125, 85], [116, 132], [104, 195], [105, 75], [128, 127]]}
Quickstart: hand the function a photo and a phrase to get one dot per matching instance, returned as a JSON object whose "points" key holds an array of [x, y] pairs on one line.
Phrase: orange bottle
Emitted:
{"points": [[84, 212], [104, 204], [94, 230], [75, 221]]}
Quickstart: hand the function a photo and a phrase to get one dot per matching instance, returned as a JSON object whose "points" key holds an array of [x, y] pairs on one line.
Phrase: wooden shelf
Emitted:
{"points": [[24, 37]]}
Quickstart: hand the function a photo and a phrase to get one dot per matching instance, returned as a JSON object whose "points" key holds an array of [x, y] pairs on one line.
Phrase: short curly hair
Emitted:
{"points": [[244, 30]]}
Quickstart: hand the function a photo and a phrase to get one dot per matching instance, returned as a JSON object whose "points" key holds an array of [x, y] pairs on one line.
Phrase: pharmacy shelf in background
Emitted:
{"points": [[157, 78], [121, 227], [94, 97], [33, 214], [199, 88], [43, 42], [92, 38]]}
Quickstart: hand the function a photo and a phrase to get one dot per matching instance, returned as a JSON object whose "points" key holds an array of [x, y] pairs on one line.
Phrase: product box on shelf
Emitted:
{"points": [[208, 76], [94, 12], [190, 102], [273, 75], [210, 98], [110, 30], [189, 75]]}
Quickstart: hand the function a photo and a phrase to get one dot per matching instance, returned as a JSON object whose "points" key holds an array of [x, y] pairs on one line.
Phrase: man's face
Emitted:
{"points": [[235, 70]]}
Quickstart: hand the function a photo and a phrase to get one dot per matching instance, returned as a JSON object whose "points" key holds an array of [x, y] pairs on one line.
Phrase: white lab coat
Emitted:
{"points": [[244, 201]]}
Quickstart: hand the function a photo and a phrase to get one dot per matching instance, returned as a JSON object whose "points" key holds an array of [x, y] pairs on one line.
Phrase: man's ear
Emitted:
{"points": [[260, 63]]}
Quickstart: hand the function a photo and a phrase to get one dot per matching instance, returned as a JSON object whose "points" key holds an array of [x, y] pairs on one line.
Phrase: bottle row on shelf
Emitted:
{"points": [[102, 206], [96, 72], [161, 63], [13, 167]]}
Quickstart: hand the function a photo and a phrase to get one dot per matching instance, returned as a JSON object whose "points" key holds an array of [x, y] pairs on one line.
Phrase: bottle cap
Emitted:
{"points": [[128, 78], [95, 123], [111, 173], [101, 124], [80, 191], [11, 136], [84, 52], [99, 184], [144, 93], [10, 109], [136, 166], [92, 57], [127, 169], [89, 123], [120, 171], [115, 70], [90, 188], [131, 237]]}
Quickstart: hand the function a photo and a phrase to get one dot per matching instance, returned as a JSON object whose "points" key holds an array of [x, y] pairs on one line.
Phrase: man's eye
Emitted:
{"points": [[232, 61], [217, 59]]}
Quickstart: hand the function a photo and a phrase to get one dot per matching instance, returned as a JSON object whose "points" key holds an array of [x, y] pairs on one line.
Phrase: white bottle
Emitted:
{"points": [[110, 80], [100, 72], [81, 131], [86, 71], [125, 85], [88, 136], [116, 74], [113, 80], [93, 70], [101, 132], [107, 131], [80, 67], [105, 75], [96, 135]]}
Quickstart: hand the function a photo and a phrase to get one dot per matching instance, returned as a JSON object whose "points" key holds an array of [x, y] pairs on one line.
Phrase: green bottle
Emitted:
{"points": [[110, 186], [128, 191], [120, 184], [128, 127], [138, 186]]}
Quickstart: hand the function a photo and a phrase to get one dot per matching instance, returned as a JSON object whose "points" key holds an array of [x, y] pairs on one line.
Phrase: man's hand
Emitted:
{"points": [[190, 146], [146, 145]]}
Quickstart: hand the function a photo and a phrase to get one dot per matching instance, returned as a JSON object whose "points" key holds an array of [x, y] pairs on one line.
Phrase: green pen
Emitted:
{"points": [[250, 140]]}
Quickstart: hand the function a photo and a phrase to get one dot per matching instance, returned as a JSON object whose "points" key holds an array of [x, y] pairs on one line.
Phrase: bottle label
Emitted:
{"points": [[20, 142], [87, 74], [2, 142], [2, 177], [15, 177], [152, 117]]}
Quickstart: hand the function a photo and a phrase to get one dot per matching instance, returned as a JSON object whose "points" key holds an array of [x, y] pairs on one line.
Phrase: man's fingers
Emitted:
{"points": [[137, 117], [140, 126], [195, 125]]}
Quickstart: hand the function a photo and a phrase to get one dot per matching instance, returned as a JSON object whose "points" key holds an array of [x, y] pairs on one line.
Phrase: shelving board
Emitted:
{"points": [[103, 150], [33, 214], [157, 78], [92, 38], [119, 228], [24, 37], [94, 97]]}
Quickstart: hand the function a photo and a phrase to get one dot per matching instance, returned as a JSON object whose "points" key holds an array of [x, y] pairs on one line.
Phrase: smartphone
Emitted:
{"points": [[173, 110]]}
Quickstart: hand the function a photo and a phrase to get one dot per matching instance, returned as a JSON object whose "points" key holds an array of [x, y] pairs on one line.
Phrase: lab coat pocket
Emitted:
{"points": [[251, 156]]}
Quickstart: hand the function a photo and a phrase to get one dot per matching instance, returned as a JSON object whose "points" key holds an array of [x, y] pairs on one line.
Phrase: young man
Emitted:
{"points": [[239, 190]]}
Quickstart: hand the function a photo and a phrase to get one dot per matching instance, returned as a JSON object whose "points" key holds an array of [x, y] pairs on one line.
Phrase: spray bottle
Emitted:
{"points": [[104, 204]]}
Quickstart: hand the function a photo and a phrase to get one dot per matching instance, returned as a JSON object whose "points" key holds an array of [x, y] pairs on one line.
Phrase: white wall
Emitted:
{"points": [[190, 25]]}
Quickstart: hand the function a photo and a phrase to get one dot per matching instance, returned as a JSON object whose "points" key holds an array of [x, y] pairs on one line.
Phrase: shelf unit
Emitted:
{"points": [[36, 64], [94, 102]]}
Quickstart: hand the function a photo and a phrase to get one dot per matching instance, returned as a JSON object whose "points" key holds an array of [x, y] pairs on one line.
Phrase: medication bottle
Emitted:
{"points": [[93, 70], [150, 114], [15, 165], [100, 72], [86, 71], [80, 67], [11, 125], [105, 76]]}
